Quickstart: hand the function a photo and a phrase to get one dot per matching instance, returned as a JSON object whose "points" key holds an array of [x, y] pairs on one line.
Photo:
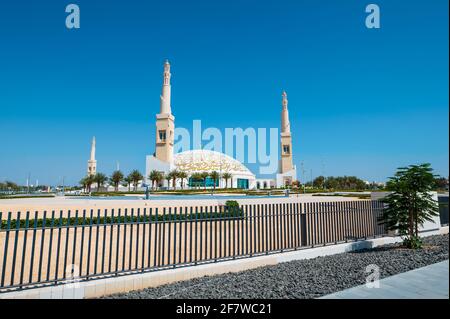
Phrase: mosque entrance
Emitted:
{"points": [[242, 183]]}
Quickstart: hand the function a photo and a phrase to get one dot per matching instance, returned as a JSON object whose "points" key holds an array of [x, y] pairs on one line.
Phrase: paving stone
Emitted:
{"points": [[414, 284]]}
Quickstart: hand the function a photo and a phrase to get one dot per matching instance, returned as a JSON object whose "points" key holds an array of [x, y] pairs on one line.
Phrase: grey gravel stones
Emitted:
{"points": [[303, 278]]}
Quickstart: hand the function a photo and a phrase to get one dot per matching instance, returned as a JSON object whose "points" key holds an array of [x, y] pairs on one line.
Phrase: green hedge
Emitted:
{"points": [[231, 211]]}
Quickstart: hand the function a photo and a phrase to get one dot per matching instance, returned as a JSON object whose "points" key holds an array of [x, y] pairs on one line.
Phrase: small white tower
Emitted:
{"points": [[165, 121], [92, 163], [286, 139], [287, 172]]}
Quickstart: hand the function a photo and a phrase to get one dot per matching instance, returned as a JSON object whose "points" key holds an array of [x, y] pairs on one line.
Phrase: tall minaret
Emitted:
{"points": [[165, 121], [286, 139], [92, 163]]}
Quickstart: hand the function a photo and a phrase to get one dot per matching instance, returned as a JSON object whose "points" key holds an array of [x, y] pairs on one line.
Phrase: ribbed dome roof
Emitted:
{"points": [[205, 160]]}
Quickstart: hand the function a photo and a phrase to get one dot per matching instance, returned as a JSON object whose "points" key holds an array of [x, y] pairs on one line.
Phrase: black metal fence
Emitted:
{"points": [[443, 209], [50, 248]]}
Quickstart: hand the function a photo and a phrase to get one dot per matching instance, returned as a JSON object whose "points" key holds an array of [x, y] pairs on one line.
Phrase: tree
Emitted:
{"points": [[160, 178], [155, 177], [331, 183], [135, 177], [182, 175], [100, 179], [12, 186], [296, 184], [343, 183], [168, 178], [87, 182], [84, 183], [173, 175], [115, 179], [128, 180], [410, 202], [204, 176], [319, 182], [226, 176], [215, 177], [440, 183]]}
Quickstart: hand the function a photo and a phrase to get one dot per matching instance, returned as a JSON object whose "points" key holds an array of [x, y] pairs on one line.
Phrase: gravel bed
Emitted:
{"points": [[303, 278]]}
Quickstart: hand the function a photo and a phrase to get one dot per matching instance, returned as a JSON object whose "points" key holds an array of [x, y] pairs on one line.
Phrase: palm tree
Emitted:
{"points": [[12, 186], [226, 176], [160, 178], [100, 179], [182, 175], [89, 182], [135, 176], [84, 183], [115, 179], [168, 178], [204, 176], [173, 176], [128, 180], [215, 176], [155, 177]]}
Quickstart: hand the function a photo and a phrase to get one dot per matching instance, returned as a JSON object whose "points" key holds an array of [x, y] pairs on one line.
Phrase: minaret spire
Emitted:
{"points": [[285, 136], [165, 107], [93, 149], [285, 124], [92, 163]]}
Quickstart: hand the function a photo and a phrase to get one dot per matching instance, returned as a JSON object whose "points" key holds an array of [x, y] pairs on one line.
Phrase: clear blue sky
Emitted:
{"points": [[362, 102]]}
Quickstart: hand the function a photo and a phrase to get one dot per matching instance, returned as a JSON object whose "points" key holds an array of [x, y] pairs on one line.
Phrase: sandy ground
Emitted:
{"points": [[64, 203]]}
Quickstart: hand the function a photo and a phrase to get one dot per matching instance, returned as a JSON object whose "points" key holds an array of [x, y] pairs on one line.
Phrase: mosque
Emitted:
{"points": [[197, 161]]}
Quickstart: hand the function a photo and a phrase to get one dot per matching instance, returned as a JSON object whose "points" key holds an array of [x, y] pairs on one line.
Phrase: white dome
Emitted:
{"points": [[205, 160]]}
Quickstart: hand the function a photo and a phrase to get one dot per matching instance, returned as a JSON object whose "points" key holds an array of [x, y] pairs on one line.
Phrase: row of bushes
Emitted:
{"points": [[231, 210]]}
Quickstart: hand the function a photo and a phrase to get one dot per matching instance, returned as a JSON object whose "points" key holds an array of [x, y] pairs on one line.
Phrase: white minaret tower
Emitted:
{"points": [[286, 139], [92, 163], [165, 93], [285, 124], [165, 121]]}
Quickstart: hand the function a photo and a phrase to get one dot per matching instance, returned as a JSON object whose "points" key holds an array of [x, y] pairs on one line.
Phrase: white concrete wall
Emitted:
{"points": [[427, 226], [292, 173], [152, 163]]}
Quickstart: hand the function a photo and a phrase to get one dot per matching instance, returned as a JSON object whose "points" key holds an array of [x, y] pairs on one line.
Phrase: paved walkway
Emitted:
{"points": [[430, 282]]}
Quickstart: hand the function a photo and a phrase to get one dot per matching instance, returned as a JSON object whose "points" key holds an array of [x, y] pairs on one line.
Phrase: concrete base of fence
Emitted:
{"points": [[138, 281]]}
